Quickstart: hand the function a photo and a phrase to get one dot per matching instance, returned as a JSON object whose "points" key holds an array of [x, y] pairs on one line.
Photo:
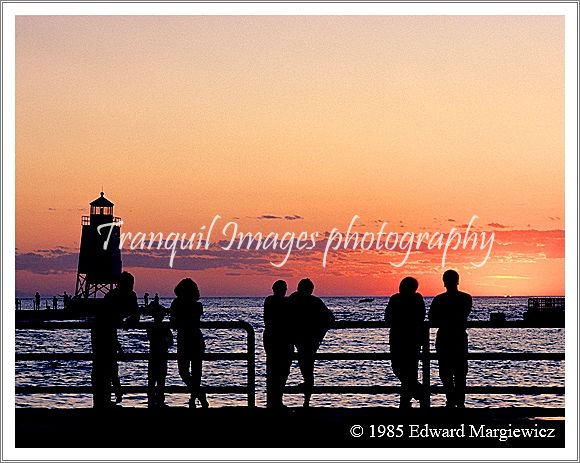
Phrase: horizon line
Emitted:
{"points": [[504, 296]]}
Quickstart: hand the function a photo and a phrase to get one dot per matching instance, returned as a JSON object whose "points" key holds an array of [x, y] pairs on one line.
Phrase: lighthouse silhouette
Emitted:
{"points": [[99, 265]]}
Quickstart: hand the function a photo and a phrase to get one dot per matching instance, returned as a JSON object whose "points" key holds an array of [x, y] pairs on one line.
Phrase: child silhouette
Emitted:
{"points": [[160, 340]]}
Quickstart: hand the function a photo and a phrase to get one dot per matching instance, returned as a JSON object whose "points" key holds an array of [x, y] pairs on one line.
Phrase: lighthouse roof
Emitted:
{"points": [[102, 201]]}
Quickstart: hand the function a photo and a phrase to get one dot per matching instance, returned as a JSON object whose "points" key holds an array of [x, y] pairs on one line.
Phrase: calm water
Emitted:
{"points": [[530, 373]]}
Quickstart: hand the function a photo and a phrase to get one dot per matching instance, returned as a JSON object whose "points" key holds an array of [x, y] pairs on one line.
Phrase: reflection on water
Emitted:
{"points": [[366, 373]]}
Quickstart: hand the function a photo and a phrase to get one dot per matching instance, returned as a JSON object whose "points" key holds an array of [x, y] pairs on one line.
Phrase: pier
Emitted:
{"points": [[253, 426]]}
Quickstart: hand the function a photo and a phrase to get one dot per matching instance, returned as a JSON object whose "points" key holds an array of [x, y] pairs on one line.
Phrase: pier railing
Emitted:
{"points": [[427, 355], [249, 357]]}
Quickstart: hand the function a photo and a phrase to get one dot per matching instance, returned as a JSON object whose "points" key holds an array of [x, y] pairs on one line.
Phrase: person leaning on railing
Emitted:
{"points": [[120, 308], [185, 313], [310, 320], [405, 313], [449, 312], [277, 344]]}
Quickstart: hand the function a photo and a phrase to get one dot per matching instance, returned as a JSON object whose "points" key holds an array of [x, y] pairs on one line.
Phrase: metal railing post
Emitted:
{"points": [[251, 363], [426, 370]]}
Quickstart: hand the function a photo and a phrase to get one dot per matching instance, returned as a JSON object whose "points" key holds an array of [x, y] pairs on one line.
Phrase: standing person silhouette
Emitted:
{"points": [[186, 311], [311, 319], [37, 301], [54, 302], [405, 313], [160, 340], [449, 312], [65, 300], [277, 344], [119, 307]]}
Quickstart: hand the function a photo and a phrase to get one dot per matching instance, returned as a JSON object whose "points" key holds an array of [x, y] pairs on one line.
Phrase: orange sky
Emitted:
{"points": [[411, 120]]}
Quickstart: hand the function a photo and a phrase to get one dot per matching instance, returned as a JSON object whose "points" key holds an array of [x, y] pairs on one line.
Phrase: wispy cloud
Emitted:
{"points": [[512, 246], [497, 225], [47, 262], [279, 217]]}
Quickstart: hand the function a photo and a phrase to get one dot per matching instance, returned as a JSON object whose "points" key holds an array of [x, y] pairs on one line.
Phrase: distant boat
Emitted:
{"points": [[367, 299]]}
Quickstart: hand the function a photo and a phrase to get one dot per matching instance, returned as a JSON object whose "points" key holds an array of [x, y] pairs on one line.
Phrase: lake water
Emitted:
{"points": [[221, 373]]}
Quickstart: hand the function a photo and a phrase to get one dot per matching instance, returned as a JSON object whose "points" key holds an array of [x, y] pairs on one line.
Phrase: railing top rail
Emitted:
{"points": [[469, 324], [72, 325], [129, 356], [240, 324]]}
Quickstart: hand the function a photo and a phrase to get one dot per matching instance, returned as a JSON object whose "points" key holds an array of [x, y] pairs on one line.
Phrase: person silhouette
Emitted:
{"points": [[405, 313], [54, 302], [65, 300], [146, 299], [311, 319], [449, 312], [160, 340], [277, 344], [37, 301], [120, 307], [185, 314], [156, 298]]}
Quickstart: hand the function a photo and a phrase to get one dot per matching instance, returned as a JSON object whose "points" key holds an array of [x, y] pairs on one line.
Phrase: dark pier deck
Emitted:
{"points": [[293, 427]]}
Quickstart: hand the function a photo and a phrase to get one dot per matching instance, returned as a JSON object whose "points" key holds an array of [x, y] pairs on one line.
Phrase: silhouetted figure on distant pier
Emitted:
{"points": [[277, 344], [153, 306], [186, 311], [119, 307], [160, 340], [65, 300], [54, 302], [146, 299], [406, 313], [37, 301], [449, 312], [311, 319], [156, 299]]}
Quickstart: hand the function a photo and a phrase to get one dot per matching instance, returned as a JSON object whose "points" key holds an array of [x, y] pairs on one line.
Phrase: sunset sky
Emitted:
{"points": [[293, 123]]}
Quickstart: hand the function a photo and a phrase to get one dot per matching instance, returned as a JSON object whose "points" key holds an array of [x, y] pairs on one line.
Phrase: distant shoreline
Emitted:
{"points": [[511, 296]]}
